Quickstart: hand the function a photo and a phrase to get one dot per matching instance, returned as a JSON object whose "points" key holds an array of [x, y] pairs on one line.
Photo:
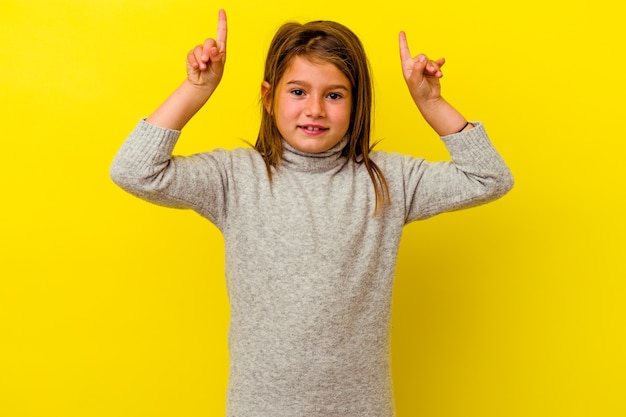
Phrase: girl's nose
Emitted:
{"points": [[315, 107]]}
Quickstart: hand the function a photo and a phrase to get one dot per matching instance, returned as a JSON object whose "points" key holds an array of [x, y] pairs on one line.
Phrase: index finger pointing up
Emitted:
{"points": [[405, 53], [222, 31]]}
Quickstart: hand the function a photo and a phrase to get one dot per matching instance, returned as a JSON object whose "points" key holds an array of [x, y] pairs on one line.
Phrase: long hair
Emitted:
{"points": [[330, 42]]}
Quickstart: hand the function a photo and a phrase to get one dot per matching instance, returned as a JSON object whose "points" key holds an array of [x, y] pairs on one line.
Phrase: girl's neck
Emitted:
{"points": [[313, 162]]}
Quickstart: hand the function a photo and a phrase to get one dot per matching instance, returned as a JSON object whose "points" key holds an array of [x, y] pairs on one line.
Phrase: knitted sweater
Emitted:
{"points": [[309, 268]]}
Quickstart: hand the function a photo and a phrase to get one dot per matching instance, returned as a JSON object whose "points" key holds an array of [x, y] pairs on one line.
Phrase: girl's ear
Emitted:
{"points": [[267, 103]]}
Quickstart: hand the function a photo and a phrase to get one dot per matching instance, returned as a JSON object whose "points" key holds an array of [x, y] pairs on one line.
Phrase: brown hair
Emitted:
{"points": [[334, 43]]}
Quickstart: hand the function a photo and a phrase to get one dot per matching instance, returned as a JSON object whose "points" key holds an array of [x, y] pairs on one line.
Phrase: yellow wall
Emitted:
{"points": [[110, 306]]}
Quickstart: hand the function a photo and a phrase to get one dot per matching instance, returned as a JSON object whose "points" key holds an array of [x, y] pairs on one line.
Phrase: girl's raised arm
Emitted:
{"points": [[205, 67], [422, 77]]}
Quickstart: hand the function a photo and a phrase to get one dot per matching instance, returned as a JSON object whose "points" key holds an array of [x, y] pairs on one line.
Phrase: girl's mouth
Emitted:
{"points": [[313, 129]]}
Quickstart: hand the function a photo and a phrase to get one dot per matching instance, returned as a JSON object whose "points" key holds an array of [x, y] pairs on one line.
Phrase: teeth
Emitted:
{"points": [[311, 128]]}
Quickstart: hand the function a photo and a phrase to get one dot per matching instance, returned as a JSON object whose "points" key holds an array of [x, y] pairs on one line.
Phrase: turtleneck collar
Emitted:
{"points": [[313, 162]]}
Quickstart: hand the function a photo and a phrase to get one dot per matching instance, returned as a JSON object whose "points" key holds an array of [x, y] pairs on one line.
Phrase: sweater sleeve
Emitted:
{"points": [[476, 175], [144, 166]]}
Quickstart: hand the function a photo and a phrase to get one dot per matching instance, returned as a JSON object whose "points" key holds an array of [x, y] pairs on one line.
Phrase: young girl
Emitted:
{"points": [[311, 218]]}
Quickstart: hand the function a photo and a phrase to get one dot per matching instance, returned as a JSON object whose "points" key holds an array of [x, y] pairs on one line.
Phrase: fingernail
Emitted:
{"points": [[422, 58]]}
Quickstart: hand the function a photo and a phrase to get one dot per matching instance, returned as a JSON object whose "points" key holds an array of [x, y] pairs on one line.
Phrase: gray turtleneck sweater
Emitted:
{"points": [[309, 268]]}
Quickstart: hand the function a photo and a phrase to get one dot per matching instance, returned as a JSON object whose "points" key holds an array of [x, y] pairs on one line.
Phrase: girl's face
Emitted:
{"points": [[313, 100]]}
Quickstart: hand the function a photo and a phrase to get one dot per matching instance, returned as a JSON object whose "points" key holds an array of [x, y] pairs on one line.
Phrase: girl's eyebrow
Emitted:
{"points": [[328, 87]]}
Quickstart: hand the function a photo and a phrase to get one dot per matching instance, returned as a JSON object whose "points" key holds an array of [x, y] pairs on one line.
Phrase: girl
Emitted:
{"points": [[311, 218]]}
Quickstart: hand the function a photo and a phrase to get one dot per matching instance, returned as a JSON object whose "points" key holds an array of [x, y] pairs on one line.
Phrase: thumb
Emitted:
{"points": [[419, 65]]}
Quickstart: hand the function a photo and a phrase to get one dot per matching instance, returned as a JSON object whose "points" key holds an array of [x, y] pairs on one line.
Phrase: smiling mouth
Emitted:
{"points": [[313, 128]]}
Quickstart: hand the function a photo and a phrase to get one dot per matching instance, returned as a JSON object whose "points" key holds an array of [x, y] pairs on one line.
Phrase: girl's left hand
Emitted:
{"points": [[421, 74]]}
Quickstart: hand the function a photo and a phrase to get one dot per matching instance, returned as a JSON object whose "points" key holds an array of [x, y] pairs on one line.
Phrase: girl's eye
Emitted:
{"points": [[334, 96], [297, 92]]}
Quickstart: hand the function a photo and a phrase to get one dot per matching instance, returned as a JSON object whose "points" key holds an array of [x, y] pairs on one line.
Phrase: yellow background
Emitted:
{"points": [[110, 306]]}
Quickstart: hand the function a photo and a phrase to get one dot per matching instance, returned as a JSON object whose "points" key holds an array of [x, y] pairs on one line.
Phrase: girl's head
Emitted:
{"points": [[321, 43]]}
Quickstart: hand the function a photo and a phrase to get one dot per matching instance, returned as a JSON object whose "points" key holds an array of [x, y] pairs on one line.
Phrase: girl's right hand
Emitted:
{"points": [[205, 63]]}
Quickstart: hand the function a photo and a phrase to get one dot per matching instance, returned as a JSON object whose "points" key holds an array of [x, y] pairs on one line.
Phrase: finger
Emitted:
{"points": [[208, 49], [430, 67], [202, 53], [193, 57], [405, 53], [222, 31], [420, 62]]}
